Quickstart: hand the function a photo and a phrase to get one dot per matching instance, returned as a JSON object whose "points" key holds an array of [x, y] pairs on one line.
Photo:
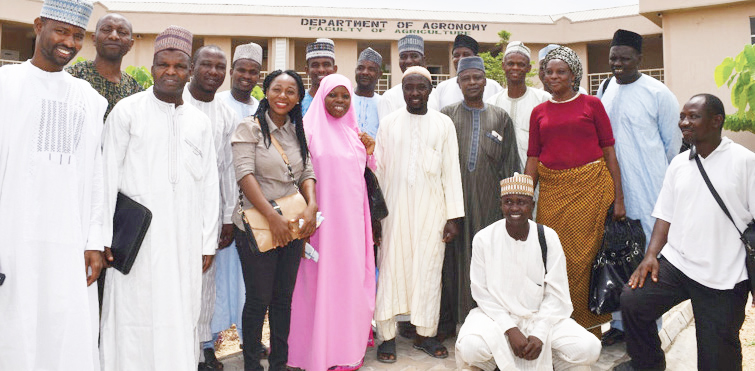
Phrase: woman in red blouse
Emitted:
{"points": [[571, 154]]}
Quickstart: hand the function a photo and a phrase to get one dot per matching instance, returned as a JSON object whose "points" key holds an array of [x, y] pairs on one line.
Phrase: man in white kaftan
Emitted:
{"points": [[50, 202], [521, 296], [209, 66], [448, 92], [411, 51], [518, 99], [159, 151], [418, 170], [229, 282], [242, 109], [644, 117]]}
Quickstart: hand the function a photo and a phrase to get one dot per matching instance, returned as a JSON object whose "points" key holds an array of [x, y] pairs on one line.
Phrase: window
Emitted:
{"points": [[752, 30]]}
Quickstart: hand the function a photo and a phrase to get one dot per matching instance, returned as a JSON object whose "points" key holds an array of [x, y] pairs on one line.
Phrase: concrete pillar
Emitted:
{"points": [[395, 69], [270, 56], [451, 68], [291, 50], [581, 50], [224, 42], [346, 58], [278, 54]]}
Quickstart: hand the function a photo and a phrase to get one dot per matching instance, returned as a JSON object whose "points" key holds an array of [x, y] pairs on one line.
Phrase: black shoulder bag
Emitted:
{"points": [[747, 237], [543, 245], [621, 252], [378, 207]]}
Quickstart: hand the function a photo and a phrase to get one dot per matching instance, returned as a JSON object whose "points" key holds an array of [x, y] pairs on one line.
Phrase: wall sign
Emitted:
{"points": [[401, 27]]}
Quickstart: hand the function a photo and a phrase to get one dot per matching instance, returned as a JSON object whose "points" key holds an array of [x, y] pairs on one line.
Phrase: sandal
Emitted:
{"points": [[211, 362], [612, 336], [386, 350], [432, 346]]}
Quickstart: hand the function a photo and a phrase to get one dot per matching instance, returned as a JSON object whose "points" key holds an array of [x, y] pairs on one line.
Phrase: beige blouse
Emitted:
{"points": [[252, 156]]}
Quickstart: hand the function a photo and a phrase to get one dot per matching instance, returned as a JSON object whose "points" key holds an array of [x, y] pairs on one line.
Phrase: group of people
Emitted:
{"points": [[516, 276]]}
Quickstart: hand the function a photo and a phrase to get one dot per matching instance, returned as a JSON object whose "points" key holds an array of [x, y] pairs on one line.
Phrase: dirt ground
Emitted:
{"points": [[747, 337], [228, 341]]}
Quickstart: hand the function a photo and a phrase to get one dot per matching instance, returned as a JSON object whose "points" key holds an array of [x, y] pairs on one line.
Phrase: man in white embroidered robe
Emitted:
{"points": [[522, 319], [209, 64], [418, 168], [159, 151], [50, 201]]}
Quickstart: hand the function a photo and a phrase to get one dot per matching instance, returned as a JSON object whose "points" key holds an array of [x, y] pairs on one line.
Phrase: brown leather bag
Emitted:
{"points": [[256, 225], [289, 206]]}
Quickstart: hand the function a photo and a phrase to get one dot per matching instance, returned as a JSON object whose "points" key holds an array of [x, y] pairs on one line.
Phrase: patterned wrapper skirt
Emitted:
{"points": [[574, 202]]}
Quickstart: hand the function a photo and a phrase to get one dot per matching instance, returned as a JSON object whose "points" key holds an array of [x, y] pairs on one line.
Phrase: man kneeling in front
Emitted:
{"points": [[519, 282]]}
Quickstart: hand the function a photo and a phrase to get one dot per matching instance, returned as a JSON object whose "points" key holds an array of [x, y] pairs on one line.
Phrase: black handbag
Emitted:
{"points": [[130, 224], [621, 253], [747, 237], [378, 207]]}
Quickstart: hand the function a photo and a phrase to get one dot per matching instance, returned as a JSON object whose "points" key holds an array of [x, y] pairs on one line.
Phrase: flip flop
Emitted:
{"points": [[431, 346], [387, 348]]}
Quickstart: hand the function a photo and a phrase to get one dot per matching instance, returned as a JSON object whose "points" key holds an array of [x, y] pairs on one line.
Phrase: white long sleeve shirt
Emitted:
{"points": [[510, 283]]}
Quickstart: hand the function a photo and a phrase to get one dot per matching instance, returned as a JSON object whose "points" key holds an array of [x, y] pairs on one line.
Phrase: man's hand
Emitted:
{"points": [[648, 265], [533, 348], [93, 259], [518, 341], [450, 230], [207, 262], [226, 236], [108, 257]]}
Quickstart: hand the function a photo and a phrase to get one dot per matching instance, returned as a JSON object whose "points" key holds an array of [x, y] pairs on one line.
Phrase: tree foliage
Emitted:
{"points": [[739, 74], [142, 76]]}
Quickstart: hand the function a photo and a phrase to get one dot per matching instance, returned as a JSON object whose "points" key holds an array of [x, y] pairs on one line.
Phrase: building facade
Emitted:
{"points": [[683, 39]]}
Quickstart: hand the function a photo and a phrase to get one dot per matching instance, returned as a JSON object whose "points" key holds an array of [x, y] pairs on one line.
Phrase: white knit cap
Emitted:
{"points": [[248, 51]]}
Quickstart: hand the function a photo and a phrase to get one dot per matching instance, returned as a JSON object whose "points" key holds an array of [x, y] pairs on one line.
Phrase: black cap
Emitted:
{"points": [[628, 38], [466, 42]]}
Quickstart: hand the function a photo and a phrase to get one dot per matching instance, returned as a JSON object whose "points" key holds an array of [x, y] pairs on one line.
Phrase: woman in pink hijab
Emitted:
{"points": [[334, 298]]}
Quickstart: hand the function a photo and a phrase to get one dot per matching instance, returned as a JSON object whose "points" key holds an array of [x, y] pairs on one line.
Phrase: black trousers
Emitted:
{"points": [[719, 315], [269, 279], [449, 296]]}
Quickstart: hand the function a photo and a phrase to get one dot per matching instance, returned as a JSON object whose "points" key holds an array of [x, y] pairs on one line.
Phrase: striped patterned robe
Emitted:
{"points": [[487, 154], [418, 170]]}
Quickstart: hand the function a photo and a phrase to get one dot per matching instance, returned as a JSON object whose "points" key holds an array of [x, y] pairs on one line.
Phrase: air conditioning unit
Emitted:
{"points": [[9, 55]]}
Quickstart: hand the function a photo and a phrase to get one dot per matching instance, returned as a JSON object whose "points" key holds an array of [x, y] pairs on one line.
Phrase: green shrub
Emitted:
{"points": [[739, 74]]}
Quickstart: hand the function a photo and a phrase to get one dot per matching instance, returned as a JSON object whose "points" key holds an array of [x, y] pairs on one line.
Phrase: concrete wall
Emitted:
{"points": [[19, 38], [696, 41], [652, 54]]}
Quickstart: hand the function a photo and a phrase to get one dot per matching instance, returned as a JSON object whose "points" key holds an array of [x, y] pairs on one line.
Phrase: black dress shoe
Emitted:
{"points": [[211, 361]]}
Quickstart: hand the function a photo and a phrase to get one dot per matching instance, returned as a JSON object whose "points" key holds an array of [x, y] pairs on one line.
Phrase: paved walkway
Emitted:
{"points": [[677, 336]]}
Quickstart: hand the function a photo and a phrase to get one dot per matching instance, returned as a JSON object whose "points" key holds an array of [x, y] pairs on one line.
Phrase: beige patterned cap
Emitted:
{"points": [[174, 37], [248, 51], [519, 184]]}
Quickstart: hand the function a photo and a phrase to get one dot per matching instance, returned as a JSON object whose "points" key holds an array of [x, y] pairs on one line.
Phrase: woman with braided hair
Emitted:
{"points": [[262, 175], [571, 154]]}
